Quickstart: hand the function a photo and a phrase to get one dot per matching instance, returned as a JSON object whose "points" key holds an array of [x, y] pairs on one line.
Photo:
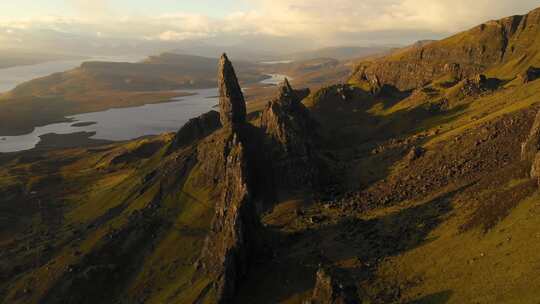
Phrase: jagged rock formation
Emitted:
{"points": [[231, 99], [464, 54], [331, 289], [197, 128], [230, 242], [225, 168], [289, 129]]}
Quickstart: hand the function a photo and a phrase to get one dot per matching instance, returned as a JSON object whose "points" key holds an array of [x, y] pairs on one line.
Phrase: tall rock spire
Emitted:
{"points": [[232, 106]]}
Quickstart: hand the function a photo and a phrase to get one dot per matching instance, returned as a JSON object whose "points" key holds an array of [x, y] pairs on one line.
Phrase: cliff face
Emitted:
{"points": [[225, 168], [231, 99], [462, 55], [289, 133], [228, 247], [530, 148]]}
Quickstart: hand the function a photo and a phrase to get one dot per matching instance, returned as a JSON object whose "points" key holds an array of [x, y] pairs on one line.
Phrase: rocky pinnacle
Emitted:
{"points": [[232, 105]]}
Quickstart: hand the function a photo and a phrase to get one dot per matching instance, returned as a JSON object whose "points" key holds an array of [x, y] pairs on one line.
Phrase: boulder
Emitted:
{"points": [[331, 288]]}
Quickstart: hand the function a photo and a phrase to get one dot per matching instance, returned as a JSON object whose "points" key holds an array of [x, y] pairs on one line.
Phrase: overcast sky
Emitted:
{"points": [[321, 22]]}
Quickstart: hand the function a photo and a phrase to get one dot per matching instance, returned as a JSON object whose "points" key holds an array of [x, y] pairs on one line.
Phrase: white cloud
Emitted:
{"points": [[327, 22]]}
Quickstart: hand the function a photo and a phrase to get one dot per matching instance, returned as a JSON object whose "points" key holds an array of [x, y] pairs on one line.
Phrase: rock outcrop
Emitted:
{"points": [[197, 128], [474, 85], [226, 253], [225, 169], [290, 131], [531, 145], [464, 55], [330, 288], [232, 105], [530, 148]]}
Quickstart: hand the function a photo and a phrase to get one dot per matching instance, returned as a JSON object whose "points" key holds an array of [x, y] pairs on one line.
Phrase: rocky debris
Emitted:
{"points": [[474, 85], [415, 153], [531, 74], [330, 288], [462, 160], [231, 99], [531, 145], [289, 130], [197, 128]]}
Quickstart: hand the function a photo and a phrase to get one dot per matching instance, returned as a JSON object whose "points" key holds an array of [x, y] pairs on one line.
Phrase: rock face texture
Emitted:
{"points": [[197, 128], [225, 168], [232, 105], [330, 289], [463, 55], [289, 130], [531, 146], [229, 244]]}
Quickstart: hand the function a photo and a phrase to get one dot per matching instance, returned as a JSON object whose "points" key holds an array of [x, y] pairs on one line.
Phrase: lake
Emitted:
{"points": [[127, 123]]}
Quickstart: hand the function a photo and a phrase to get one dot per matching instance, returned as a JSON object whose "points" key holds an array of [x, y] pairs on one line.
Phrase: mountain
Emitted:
{"points": [[13, 57], [414, 181], [97, 86], [339, 53], [508, 46]]}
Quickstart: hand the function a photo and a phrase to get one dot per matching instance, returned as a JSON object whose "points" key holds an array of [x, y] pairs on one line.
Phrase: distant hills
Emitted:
{"points": [[13, 57], [339, 53]]}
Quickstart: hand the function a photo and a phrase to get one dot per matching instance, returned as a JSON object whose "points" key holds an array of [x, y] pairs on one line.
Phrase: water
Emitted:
{"points": [[127, 123], [275, 79]]}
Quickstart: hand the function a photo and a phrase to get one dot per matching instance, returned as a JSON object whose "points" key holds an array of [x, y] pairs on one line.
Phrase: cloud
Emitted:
{"points": [[323, 22]]}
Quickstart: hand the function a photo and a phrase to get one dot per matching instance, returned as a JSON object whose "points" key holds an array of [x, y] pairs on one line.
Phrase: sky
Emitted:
{"points": [[296, 23]]}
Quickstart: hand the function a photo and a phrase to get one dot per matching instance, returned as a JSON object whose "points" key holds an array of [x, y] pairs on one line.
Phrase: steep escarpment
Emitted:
{"points": [[225, 165], [510, 40]]}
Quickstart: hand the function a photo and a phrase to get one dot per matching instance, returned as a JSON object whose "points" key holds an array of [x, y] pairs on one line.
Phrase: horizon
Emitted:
{"points": [[125, 27]]}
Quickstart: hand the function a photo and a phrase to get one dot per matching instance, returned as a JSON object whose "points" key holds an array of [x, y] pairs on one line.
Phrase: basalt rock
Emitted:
{"points": [[289, 130], [224, 167], [197, 128], [474, 85], [475, 51], [232, 105], [331, 288], [232, 237], [531, 145]]}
